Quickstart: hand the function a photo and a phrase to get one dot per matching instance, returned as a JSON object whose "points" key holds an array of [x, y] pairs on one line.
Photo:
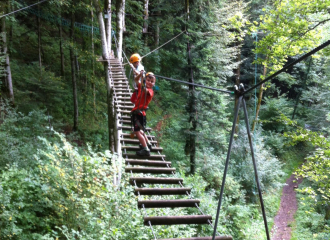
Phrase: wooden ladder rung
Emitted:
{"points": [[154, 180], [151, 157], [137, 148], [150, 170], [202, 238], [176, 220], [134, 140], [129, 128], [148, 163], [162, 191], [168, 203]]}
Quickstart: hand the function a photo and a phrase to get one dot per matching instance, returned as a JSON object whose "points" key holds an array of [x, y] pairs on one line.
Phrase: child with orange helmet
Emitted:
{"points": [[139, 119], [137, 67]]}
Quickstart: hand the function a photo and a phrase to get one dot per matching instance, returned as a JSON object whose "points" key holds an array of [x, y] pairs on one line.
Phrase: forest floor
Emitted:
{"points": [[288, 207]]}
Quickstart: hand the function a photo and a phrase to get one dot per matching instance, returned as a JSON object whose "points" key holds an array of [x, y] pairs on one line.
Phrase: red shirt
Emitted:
{"points": [[142, 102]]}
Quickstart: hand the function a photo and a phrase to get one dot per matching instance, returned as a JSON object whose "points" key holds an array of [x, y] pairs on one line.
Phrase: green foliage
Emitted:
{"points": [[315, 169], [18, 134], [290, 28], [309, 224], [268, 166]]}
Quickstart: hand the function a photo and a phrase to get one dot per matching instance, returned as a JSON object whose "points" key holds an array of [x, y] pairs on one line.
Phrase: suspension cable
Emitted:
{"points": [[286, 67], [194, 84], [164, 44], [22, 9]]}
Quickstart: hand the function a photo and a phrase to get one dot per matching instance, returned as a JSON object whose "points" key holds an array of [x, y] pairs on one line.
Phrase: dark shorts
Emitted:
{"points": [[139, 122]]}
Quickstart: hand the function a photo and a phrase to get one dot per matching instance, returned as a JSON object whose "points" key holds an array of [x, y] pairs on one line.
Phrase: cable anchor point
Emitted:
{"points": [[239, 89]]}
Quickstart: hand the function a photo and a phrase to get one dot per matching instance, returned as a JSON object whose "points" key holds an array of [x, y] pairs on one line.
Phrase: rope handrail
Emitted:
{"points": [[197, 85], [164, 44], [22, 9]]}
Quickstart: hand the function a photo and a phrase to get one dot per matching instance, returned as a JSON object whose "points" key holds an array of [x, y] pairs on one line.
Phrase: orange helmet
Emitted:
{"points": [[135, 58]]}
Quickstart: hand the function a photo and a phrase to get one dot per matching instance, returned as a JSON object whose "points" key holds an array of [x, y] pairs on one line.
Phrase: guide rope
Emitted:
{"points": [[194, 84], [163, 44], [22, 9]]}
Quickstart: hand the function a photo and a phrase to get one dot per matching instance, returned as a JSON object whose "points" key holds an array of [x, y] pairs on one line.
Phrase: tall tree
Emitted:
{"points": [[73, 72], [120, 11], [106, 57], [8, 76], [291, 28]]}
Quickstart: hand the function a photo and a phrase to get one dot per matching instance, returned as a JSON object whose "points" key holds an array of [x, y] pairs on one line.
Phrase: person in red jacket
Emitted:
{"points": [[139, 120]]}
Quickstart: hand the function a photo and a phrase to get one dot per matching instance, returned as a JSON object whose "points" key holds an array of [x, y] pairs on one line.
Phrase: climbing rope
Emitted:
{"points": [[163, 44], [194, 84], [159, 46], [22, 9]]}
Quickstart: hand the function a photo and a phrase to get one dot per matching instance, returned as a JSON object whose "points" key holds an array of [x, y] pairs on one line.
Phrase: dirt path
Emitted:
{"points": [[288, 207]]}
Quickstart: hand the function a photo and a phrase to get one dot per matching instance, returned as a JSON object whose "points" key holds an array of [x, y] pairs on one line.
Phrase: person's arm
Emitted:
{"points": [[137, 78]]}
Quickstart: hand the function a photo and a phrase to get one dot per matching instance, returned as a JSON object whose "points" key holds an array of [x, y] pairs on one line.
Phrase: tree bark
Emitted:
{"points": [[146, 16], [93, 67], [107, 7], [8, 77], [191, 141], [61, 48], [73, 75], [39, 38], [120, 23], [237, 80], [105, 54], [261, 90]]}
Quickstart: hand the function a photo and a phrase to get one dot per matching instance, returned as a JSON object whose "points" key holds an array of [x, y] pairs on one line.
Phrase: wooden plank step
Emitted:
{"points": [[123, 98], [137, 148], [124, 111], [201, 238], [125, 121], [128, 135], [148, 163], [130, 107], [168, 203], [130, 127], [150, 170], [154, 180], [123, 101], [124, 107], [126, 117], [176, 220], [124, 94], [123, 89], [132, 140], [162, 191], [151, 157]]}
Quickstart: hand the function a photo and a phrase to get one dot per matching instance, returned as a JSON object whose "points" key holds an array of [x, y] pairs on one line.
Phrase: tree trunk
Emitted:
{"points": [[192, 116], [259, 101], [39, 37], [120, 23], [93, 67], [191, 141], [61, 48], [8, 77], [237, 80], [105, 54], [107, 9], [73, 75], [146, 16]]}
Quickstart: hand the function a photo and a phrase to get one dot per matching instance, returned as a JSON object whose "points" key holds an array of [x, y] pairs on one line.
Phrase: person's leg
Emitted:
{"points": [[141, 137]]}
